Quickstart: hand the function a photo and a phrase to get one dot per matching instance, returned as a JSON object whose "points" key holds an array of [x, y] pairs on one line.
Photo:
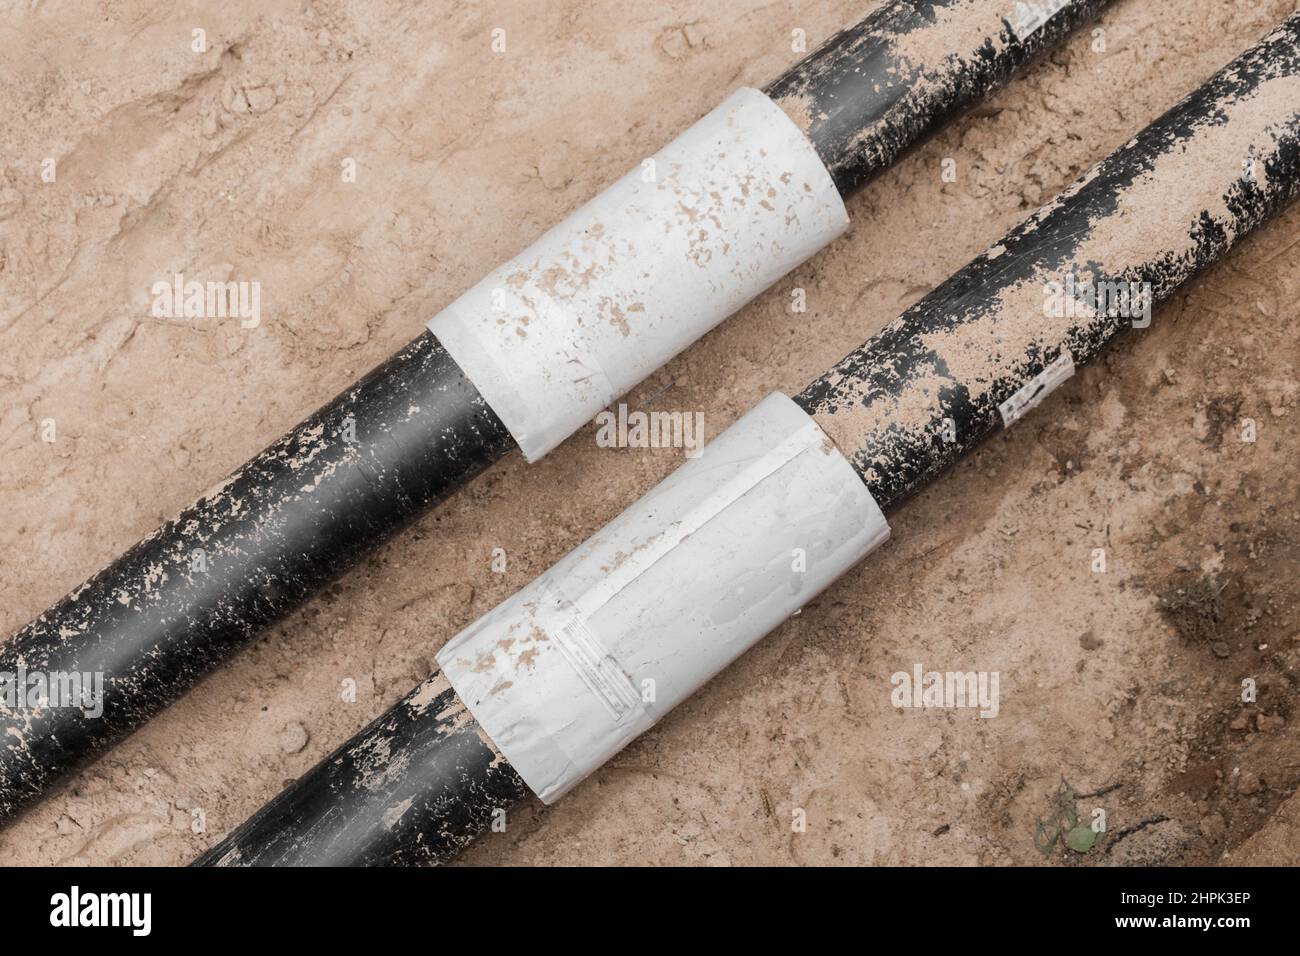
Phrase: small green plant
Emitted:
{"points": [[1064, 826]]}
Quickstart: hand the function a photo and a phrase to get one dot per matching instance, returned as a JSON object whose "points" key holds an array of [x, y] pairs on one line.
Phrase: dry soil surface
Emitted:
{"points": [[227, 164]]}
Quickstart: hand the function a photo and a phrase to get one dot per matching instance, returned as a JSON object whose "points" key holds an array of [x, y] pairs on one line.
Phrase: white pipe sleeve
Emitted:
{"points": [[643, 270], [591, 654]]}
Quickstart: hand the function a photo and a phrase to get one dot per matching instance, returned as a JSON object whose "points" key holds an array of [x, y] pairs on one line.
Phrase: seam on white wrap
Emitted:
{"points": [[597, 669], [667, 594], [643, 270], [575, 638], [761, 468]]}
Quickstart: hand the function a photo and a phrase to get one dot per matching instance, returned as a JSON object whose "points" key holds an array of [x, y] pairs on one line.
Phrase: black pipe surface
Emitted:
{"points": [[927, 388], [277, 530], [875, 89], [416, 786]]}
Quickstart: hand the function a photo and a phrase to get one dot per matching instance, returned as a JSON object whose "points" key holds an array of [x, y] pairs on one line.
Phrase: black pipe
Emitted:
{"points": [[874, 89], [281, 527], [178, 603], [911, 363], [951, 354], [415, 786]]}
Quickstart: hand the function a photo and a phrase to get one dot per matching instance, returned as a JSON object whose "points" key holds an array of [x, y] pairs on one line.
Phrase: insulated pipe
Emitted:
{"points": [[524, 358], [879, 86], [543, 689]]}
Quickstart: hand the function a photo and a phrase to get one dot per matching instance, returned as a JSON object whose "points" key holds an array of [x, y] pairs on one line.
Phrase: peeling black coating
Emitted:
{"points": [[896, 461], [298, 514], [866, 103], [416, 786]]}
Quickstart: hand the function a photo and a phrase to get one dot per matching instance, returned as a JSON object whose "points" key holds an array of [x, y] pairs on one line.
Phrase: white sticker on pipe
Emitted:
{"points": [[1030, 16], [591, 654], [1030, 395], [643, 270]]}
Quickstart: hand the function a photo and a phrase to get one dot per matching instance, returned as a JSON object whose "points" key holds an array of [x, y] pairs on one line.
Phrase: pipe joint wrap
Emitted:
{"points": [[593, 652], [643, 270]]}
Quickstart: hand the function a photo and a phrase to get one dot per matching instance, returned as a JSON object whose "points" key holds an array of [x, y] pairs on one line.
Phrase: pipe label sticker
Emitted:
{"points": [[1031, 394], [1030, 17]]}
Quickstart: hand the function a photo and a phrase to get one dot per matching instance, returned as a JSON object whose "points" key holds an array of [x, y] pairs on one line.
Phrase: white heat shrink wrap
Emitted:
{"points": [[592, 653], [643, 270]]}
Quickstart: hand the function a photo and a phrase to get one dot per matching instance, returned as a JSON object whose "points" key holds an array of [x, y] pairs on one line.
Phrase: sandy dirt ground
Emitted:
{"points": [[226, 165]]}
